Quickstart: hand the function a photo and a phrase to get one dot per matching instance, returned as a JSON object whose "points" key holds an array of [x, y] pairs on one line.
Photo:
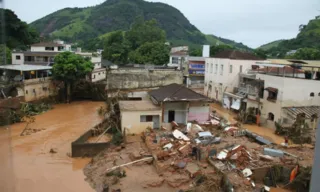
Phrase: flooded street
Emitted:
{"points": [[26, 163]]}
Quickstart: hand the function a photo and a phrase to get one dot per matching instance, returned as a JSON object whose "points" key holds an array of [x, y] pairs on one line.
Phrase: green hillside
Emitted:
{"points": [[308, 37], [270, 45], [83, 24]]}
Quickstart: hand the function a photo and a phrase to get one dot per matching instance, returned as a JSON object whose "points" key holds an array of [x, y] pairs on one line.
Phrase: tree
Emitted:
{"points": [[69, 67], [306, 54], [216, 49], [143, 32], [115, 48], [18, 33], [151, 53], [195, 52], [260, 53], [5, 55]]}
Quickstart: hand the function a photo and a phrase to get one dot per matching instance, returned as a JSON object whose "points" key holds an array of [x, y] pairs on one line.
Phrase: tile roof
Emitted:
{"points": [[46, 44], [308, 110], [145, 105], [285, 69], [175, 92], [237, 55]]}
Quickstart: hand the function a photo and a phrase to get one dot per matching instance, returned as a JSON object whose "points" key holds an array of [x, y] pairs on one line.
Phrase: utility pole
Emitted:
{"points": [[315, 184]]}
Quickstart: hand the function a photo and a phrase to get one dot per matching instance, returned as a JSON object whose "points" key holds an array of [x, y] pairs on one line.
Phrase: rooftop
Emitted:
{"points": [[46, 44], [308, 110], [237, 55], [145, 105], [25, 67], [197, 59], [39, 53], [278, 70], [175, 92], [180, 53]]}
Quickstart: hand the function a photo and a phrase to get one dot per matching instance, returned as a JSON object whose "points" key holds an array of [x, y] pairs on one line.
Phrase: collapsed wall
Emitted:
{"points": [[130, 78]]}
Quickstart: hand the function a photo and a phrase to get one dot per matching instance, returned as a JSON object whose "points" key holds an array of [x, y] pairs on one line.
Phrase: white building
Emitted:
{"points": [[282, 94], [99, 73], [222, 72]]}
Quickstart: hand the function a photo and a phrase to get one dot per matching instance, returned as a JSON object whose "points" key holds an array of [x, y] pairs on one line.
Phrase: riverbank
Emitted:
{"points": [[26, 162]]}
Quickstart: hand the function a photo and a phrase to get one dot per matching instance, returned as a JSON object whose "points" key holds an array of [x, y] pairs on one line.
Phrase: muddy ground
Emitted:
{"points": [[25, 161]]}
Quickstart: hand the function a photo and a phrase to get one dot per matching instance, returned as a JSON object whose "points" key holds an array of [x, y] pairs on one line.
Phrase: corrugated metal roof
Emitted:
{"points": [[308, 110], [25, 67]]}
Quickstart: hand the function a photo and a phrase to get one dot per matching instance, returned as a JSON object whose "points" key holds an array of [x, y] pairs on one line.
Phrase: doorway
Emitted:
{"points": [[171, 115]]}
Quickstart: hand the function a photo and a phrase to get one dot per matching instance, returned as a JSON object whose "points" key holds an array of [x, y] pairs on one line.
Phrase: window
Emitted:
{"points": [[175, 60], [207, 67], [319, 94], [271, 116], [94, 76], [98, 73], [221, 69], [216, 69], [49, 48], [26, 92], [273, 94], [240, 68], [211, 68], [312, 94], [230, 69], [146, 118], [18, 57]]}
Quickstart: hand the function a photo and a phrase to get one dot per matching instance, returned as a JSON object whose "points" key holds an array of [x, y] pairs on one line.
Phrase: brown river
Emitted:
{"points": [[25, 161]]}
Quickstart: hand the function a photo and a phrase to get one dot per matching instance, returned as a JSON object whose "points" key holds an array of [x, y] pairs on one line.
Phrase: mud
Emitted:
{"points": [[25, 161]]}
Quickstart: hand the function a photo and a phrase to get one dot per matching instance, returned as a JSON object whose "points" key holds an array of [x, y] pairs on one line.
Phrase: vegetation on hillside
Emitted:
{"points": [[144, 43], [89, 25], [69, 67], [17, 34], [5, 55], [270, 45], [307, 43]]}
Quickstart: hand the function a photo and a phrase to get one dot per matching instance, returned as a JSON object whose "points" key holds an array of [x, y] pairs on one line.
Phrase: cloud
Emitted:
{"points": [[252, 22]]}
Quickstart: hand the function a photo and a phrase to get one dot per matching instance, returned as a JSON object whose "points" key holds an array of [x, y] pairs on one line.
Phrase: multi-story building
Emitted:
{"points": [[279, 93], [222, 72]]}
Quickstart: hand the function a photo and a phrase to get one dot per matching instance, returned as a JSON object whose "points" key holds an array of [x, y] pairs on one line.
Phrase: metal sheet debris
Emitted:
{"points": [[247, 172], [179, 135], [273, 152]]}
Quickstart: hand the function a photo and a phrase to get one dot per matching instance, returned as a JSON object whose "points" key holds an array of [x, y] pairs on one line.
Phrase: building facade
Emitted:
{"points": [[222, 72]]}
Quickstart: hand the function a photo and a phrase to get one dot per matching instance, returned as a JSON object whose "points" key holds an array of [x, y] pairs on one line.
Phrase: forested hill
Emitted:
{"points": [[76, 24], [308, 37]]}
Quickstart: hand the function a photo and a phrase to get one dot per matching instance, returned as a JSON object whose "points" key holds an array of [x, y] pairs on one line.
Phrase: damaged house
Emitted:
{"points": [[280, 92], [169, 103]]}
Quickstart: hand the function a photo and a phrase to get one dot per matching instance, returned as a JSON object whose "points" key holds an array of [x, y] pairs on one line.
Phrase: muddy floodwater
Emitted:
{"points": [[25, 161]]}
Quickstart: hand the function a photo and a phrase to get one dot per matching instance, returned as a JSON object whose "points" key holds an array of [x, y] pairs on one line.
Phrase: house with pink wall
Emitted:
{"points": [[181, 104]]}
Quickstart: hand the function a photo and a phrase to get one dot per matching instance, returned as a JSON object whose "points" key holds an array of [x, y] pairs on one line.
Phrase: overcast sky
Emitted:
{"points": [[252, 22]]}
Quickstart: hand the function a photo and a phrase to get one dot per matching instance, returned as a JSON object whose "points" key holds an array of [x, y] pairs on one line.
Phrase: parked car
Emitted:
{"points": [[206, 138]]}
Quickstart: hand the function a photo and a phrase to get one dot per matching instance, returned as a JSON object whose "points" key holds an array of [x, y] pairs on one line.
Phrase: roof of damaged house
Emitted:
{"points": [[280, 70], [308, 110], [145, 105], [175, 92], [237, 55]]}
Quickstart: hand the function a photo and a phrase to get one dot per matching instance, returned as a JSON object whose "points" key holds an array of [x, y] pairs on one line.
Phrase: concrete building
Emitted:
{"points": [[137, 116], [196, 71], [32, 82], [281, 96], [98, 73], [181, 104], [222, 72], [178, 57]]}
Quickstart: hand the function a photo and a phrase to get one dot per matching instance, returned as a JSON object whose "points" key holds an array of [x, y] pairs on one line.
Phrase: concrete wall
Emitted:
{"points": [[181, 111], [199, 112], [43, 49], [291, 92], [221, 78], [142, 78], [15, 60], [98, 74], [131, 121], [34, 89]]}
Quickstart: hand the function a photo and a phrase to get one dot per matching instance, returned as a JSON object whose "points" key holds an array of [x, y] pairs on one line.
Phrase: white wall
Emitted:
{"points": [[181, 111], [16, 61], [98, 74], [42, 49], [96, 59], [218, 72], [131, 120], [291, 92], [199, 112]]}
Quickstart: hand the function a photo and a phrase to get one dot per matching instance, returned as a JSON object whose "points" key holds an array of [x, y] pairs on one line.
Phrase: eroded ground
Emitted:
{"points": [[25, 161]]}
